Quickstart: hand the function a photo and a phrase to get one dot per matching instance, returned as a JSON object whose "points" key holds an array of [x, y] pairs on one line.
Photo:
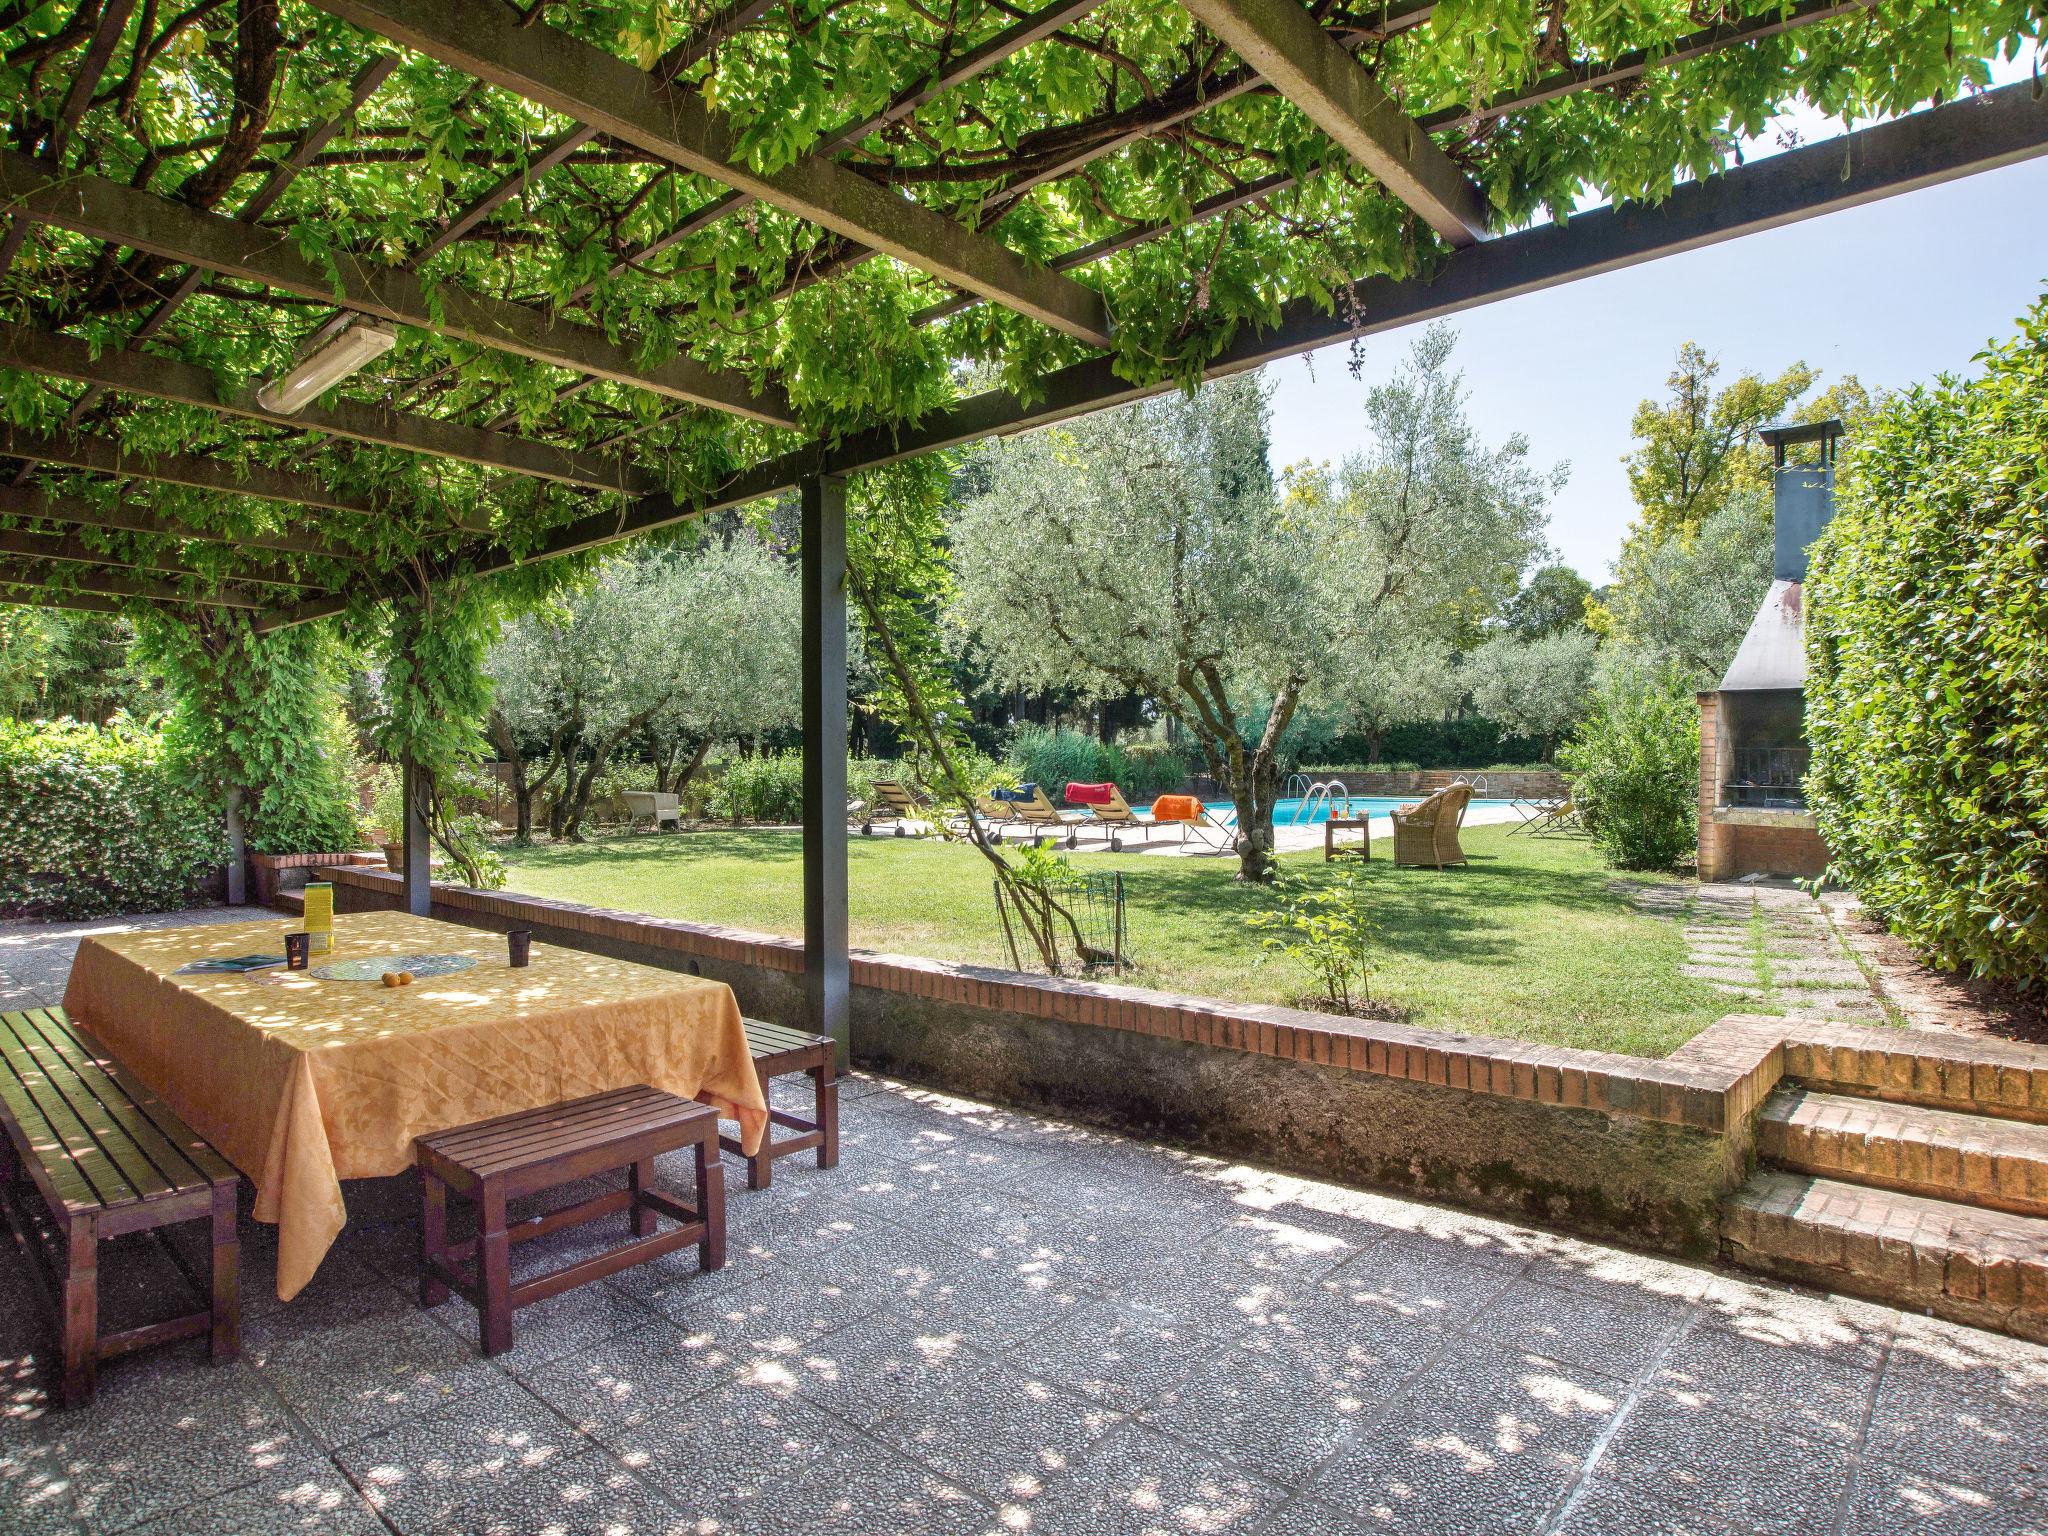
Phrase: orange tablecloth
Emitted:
{"points": [[302, 1082]]}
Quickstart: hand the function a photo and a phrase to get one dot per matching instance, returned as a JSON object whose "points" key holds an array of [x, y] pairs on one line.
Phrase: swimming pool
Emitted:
{"points": [[1284, 811]]}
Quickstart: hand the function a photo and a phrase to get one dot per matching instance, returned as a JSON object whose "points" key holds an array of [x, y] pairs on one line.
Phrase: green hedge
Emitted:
{"points": [[96, 820], [1927, 653]]}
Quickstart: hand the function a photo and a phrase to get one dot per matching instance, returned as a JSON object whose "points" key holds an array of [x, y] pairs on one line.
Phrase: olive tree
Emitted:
{"points": [[1145, 550], [666, 653], [1541, 687], [1684, 602], [1424, 534], [1390, 679]]}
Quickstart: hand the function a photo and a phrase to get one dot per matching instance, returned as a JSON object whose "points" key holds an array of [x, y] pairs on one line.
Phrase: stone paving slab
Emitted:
{"points": [[1769, 948], [982, 1322]]}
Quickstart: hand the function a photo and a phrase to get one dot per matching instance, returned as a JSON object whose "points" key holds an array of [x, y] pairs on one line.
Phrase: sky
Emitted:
{"points": [[1894, 292]]}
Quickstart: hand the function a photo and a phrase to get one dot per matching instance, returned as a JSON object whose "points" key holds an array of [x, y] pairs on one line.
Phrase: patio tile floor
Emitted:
{"points": [[988, 1322]]}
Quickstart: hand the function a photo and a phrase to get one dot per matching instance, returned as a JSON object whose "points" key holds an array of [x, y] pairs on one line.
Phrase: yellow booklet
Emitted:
{"points": [[320, 915]]}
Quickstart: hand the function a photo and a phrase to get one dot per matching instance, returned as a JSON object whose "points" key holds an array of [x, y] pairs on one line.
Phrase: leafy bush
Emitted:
{"points": [[1322, 926], [1634, 767], [1054, 758], [766, 787], [264, 711], [1927, 652], [96, 820]]}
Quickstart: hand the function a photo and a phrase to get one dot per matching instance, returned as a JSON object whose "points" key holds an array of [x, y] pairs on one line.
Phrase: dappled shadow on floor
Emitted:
{"points": [[989, 1321]]}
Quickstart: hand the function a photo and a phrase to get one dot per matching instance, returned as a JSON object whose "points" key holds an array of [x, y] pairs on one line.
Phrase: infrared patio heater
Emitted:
{"points": [[1753, 752]]}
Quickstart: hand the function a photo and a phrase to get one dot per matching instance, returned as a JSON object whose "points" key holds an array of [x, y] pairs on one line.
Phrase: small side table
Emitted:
{"points": [[523, 1154], [1362, 825]]}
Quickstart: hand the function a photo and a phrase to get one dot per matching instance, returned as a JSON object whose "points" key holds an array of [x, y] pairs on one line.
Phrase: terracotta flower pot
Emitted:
{"points": [[394, 857]]}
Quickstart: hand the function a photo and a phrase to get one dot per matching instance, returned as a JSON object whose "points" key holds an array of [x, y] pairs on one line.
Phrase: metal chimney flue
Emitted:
{"points": [[1804, 496]]}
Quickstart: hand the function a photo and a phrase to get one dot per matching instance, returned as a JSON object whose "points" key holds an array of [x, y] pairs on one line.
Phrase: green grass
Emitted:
{"points": [[1528, 940]]}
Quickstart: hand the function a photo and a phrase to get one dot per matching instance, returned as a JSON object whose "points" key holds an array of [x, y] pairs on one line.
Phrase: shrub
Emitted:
{"points": [[1634, 766], [766, 787], [267, 709], [1055, 758], [96, 820], [1927, 652], [1323, 927]]}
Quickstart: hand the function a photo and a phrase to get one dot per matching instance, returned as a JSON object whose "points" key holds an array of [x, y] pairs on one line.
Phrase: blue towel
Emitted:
{"points": [[1024, 793]]}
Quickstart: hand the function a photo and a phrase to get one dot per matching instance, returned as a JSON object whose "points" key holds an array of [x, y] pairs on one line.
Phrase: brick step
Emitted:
{"points": [[1985, 1268], [1971, 1159], [1918, 1066]]}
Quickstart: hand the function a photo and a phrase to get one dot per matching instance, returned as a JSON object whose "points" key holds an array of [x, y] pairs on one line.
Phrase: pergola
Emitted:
{"points": [[781, 244]]}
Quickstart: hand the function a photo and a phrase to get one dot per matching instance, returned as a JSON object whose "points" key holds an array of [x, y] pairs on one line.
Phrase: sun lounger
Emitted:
{"points": [[1194, 821], [1105, 804], [1552, 818], [892, 802], [1029, 806], [992, 815]]}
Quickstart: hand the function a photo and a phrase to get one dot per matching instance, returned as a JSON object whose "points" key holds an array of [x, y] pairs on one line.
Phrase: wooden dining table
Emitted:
{"points": [[303, 1080]]}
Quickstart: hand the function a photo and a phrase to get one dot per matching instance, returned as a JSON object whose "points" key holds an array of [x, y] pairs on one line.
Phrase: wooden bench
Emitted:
{"points": [[780, 1052], [106, 1157], [497, 1161]]}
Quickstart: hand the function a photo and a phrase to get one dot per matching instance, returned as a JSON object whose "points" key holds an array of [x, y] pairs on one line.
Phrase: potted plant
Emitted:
{"points": [[387, 817]]}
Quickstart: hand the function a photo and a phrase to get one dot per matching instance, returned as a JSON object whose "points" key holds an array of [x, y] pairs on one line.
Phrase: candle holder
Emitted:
{"points": [[298, 951], [519, 947]]}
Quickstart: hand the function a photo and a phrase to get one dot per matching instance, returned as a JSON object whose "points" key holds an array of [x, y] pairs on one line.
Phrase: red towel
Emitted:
{"points": [[1176, 808], [1090, 794]]}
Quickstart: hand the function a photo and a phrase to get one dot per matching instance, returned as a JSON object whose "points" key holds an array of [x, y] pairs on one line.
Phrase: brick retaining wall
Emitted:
{"points": [[1610, 1145]]}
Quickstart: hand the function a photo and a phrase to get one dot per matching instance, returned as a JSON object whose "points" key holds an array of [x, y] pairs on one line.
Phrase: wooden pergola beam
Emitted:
{"points": [[311, 142], [1997, 128], [163, 378], [103, 582], [106, 210], [1310, 68], [691, 50], [1730, 33], [105, 456], [69, 549], [70, 602], [69, 511], [484, 39], [113, 21]]}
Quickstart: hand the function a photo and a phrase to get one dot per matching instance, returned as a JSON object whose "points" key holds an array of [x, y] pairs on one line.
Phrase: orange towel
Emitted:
{"points": [[1176, 808]]}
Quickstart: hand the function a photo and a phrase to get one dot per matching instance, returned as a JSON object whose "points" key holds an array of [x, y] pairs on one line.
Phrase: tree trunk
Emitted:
{"points": [[688, 771], [522, 791], [575, 800]]}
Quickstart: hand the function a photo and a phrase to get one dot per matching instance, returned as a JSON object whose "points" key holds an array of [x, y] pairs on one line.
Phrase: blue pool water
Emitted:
{"points": [[1285, 811]]}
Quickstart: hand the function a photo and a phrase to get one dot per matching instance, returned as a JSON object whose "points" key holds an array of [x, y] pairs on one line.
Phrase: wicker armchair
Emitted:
{"points": [[1427, 832]]}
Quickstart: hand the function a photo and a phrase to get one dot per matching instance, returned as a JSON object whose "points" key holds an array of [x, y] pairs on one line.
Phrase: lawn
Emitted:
{"points": [[1529, 940]]}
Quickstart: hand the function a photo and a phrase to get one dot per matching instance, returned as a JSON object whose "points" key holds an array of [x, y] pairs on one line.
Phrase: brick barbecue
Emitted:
{"points": [[1753, 752]]}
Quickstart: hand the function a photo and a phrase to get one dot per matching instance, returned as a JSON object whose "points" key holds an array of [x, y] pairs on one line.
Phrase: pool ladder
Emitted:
{"points": [[1329, 794]]}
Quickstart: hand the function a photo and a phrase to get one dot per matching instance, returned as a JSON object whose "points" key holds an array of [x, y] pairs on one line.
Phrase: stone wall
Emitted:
{"points": [[1609, 1145]]}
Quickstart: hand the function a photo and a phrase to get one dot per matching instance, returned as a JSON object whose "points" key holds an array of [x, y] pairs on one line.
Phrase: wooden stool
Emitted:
{"points": [[780, 1052], [105, 1156], [496, 1161], [1362, 825]]}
